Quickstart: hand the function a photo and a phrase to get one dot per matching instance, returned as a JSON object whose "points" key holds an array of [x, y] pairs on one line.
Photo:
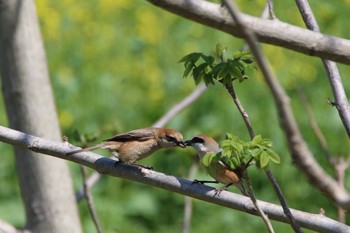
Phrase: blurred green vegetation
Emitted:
{"points": [[113, 66]]}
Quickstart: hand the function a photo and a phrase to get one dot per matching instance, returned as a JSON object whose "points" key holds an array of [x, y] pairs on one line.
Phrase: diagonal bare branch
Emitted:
{"points": [[178, 185], [341, 100]]}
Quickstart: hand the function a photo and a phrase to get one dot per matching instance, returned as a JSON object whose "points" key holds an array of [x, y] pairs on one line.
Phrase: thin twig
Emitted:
{"points": [[255, 202], [262, 62], [184, 103], [340, 166], [89, 199], [271, 12], [246, 177], [241, 110], [320, 136], [188, 200], [244, 171], [341, 100], [90, 181]]}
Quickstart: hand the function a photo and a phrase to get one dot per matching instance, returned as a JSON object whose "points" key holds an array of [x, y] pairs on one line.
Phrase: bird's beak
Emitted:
{"points": [[182, 144], [188, 143]]}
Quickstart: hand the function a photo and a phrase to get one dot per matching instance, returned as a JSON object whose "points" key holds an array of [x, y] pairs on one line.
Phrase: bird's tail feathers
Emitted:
{"points": [[241, 188], [99, 146]]}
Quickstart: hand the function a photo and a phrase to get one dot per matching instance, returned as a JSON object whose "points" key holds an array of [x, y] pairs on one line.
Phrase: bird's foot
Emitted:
{"points": [[197, 181], [143, 166], [117, 162], [218, 191]]}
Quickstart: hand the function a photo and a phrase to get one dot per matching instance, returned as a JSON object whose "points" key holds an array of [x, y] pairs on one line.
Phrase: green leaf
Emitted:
{"points": [[190, 58], [234, 70], [248, 60], [256, 140], [208, 80], [231, 162], [188, 69], [185, 58], [274, 157], [208, 59], [220, 49], [256, 154], [197, 79], [223, 72], [210, 157], [264, 160]]}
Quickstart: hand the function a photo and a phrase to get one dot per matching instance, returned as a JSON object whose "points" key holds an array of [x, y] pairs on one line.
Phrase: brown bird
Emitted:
{"points": [[137, 144], [220, 171]]}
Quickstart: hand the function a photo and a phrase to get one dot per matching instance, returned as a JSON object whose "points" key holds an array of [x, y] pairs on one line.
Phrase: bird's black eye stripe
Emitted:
{"points": [[197, 140], [171, 139]]}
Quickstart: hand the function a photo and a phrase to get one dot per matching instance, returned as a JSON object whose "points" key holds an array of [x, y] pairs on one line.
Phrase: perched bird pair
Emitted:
{"points": [[137, 144]]}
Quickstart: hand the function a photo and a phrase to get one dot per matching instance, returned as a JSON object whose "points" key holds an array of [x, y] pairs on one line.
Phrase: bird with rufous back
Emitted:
{"points": [[137, 144]]}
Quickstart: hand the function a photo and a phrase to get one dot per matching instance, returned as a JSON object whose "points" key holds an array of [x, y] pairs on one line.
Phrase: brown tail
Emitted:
{"points": [[86, 149]]}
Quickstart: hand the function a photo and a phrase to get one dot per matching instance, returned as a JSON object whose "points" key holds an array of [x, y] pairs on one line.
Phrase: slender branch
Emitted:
{"points": [[256, 204], [107, 166], [89, 199], [338, 163], [251, 193], [188, 100], [320, 136], [231, 91], [241, 110], [89, 182], [262, 62], [271, 12], [188, 201], [180, 106], [341, 100], [272, 32], [340, 166]]}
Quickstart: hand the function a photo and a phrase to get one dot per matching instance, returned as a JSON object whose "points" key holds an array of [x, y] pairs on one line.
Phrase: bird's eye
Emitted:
{"points": [[171, 139]]}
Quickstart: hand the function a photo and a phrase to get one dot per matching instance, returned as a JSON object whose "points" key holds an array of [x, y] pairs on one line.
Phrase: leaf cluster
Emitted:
{"points": [[240, 154], [224, 70]]}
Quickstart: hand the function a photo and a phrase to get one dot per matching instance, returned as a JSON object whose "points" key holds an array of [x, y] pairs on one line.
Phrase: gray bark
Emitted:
{"points": [[45, 183], [106, 166]]}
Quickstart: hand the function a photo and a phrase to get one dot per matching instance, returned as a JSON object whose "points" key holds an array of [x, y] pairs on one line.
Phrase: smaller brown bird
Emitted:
{"points": [[137, 144], [220, 171]]}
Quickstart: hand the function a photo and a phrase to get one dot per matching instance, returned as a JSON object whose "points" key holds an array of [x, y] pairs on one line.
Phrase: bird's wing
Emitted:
{"points": [[236, 170], [222, 163], [135, 135]]}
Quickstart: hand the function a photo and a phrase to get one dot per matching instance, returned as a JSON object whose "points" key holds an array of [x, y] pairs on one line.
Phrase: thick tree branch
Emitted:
{"points": [[106, 166], [272, 32]]}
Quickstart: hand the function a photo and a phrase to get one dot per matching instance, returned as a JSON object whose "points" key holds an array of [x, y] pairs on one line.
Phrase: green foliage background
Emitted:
{"points": [[113, 66]]}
